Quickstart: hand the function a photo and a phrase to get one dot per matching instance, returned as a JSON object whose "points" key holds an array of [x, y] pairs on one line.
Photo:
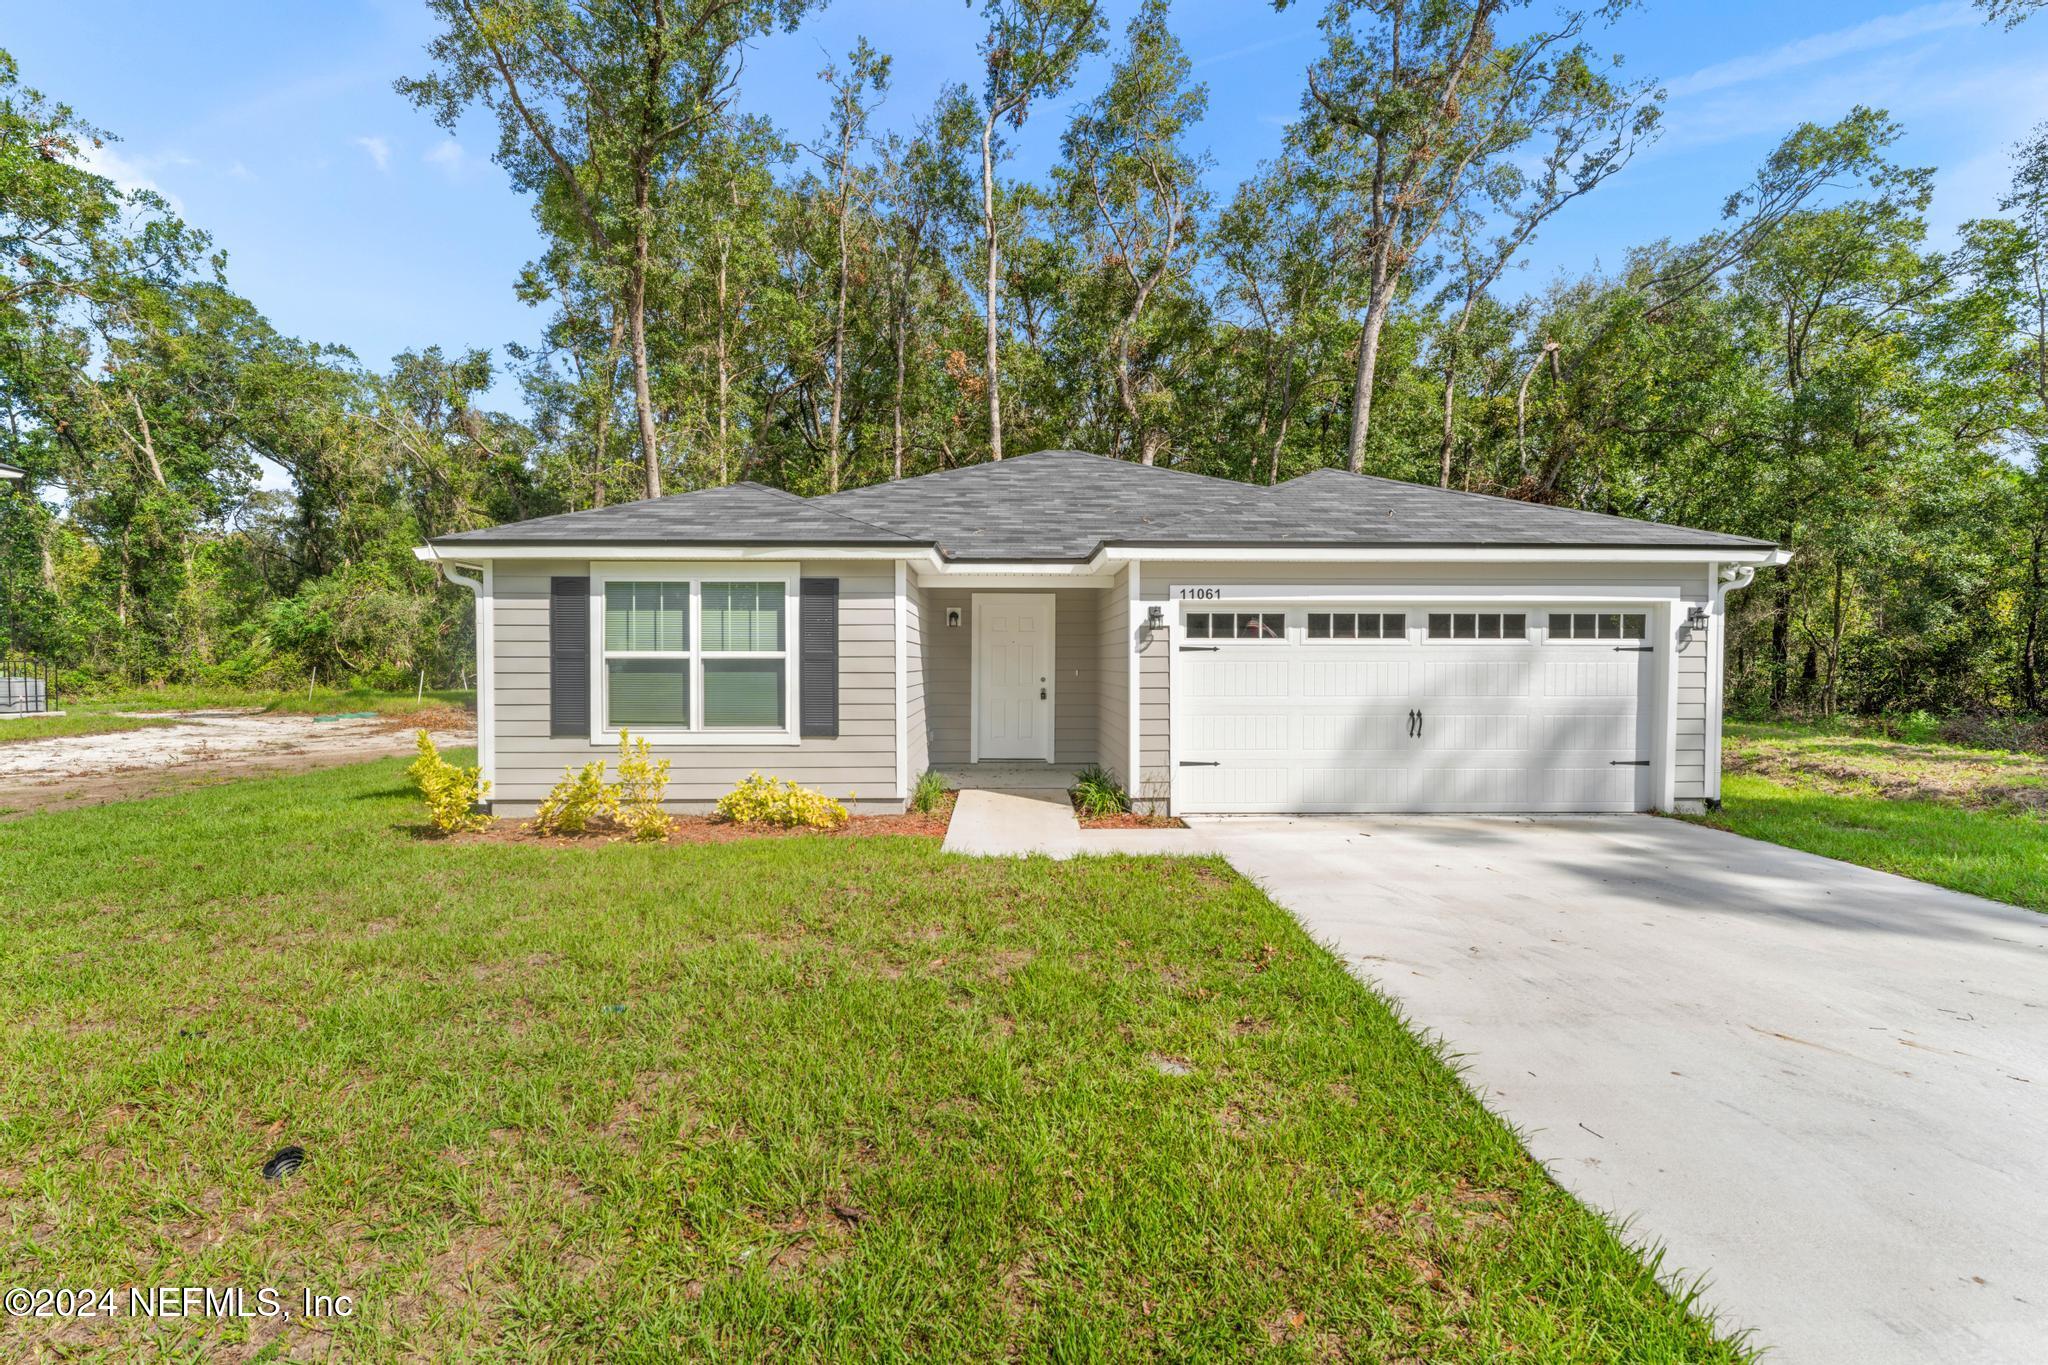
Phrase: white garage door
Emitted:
{"points": [[1423, 708]]}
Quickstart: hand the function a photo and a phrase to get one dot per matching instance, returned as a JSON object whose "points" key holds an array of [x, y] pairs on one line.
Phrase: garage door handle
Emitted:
{"points": [[1200, 763], [1193, 649], [1628, 762]]}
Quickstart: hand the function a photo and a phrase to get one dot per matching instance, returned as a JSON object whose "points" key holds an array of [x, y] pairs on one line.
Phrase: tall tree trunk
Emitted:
{"points": [[902, 366], [1361, 388], [1449, 441], [838, 345], [2030, 649], [636, 303], [724, 368], [988, 225], [1781, 635], [1286, 417], [602, 461]]}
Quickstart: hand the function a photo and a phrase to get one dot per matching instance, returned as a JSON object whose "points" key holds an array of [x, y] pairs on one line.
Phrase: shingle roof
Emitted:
{"points": [[1065, 504], [736, 514]]}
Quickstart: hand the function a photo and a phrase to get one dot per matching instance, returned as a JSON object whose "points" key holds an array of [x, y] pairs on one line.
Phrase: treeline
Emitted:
{"points": [[825, 307]]}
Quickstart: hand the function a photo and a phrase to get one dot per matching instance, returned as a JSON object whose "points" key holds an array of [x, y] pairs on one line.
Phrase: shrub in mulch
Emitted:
{"points": [[710, 829]]}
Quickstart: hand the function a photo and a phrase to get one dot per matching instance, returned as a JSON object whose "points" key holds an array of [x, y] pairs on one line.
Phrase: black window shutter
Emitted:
{"points": [[819, 648], [569, 657]]}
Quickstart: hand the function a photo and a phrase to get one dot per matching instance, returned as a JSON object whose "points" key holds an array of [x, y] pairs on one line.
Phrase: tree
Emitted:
{"points": [[1423, 101], [1139, 192], [1029, 51], [923, 187], [599, 105], [866, 73]]}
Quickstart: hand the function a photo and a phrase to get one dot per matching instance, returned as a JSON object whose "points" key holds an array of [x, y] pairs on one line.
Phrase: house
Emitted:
{"points": [[8, 473], [1334, 643]]}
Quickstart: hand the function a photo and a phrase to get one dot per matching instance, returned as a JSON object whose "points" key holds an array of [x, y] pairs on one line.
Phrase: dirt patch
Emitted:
{"points": [[1970, 779], [203, 748]]}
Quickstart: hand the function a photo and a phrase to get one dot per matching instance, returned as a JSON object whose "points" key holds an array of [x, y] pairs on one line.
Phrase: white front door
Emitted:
{"points": [[1013, 675]]}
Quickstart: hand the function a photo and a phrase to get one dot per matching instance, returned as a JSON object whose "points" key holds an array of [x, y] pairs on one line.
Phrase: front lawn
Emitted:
{"points": [[802, 1096], [1967, 818], [73, 722]]}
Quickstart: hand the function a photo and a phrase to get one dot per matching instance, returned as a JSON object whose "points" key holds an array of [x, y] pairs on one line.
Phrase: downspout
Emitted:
{"points": [[486, 702], [1730, 578]]}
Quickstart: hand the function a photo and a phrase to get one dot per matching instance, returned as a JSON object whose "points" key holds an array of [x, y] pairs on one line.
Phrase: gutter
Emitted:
{"points": [[478, 581], [1724, 579]]}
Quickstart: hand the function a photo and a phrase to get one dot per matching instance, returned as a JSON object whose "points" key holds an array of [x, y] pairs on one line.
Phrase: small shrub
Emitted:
{"points": [[642, 785], [1096, 793], [452, 794], [771, 801], [578, 801], [929, 794]]}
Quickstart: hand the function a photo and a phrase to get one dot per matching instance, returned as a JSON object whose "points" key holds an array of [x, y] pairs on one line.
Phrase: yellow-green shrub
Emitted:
{"points": [[579, 800], [452, 794], [771, 801], [642, 785]]}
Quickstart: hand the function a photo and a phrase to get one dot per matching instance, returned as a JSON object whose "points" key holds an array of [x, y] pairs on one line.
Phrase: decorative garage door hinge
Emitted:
{"points": [[1195, 649], [1200, 763], [1635, 649], [1628, 762]]}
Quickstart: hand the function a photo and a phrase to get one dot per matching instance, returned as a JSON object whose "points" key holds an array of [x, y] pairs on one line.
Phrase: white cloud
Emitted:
{"points": [[448, 156], [378, 148], [127, 173], [1821, 47], [241, 172]]}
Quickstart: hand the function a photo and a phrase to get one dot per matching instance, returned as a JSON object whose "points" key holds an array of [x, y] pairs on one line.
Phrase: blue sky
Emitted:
{"points": [[350, 218]]}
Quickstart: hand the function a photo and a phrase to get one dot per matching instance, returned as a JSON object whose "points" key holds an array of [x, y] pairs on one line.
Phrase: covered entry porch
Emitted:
{"points": [[1019, 681]]}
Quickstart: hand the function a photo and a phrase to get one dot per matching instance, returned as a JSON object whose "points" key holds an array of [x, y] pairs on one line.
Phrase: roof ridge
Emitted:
{"points": [[1503, 498], [819, 504]]}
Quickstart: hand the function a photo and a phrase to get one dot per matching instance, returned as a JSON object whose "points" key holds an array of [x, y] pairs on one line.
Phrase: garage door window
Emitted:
{"points": [[1478, 625], [1237, 625], [1597, 625], [1357, 625]]}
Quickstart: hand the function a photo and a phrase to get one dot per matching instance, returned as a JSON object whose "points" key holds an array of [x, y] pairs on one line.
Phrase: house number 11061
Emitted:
{"points": [[1201, 594]]}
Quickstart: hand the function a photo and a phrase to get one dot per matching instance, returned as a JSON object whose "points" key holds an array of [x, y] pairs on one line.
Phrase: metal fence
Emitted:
{"points": [[28, 687]]}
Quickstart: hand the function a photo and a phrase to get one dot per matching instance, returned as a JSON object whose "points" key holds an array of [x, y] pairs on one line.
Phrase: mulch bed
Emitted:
{"points": [[709, 829], [1131, 820]]}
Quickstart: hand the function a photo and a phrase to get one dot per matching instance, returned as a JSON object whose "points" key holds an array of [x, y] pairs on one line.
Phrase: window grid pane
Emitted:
{"points": [[1439, 625], [1514, 626], [647, 616], [1198, 625], [1319, 625], [1632, 627], [742, 617]]}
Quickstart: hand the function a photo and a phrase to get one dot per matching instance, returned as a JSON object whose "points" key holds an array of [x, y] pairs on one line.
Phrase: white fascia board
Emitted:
{"points": [[692, 553], [1477, 554]]}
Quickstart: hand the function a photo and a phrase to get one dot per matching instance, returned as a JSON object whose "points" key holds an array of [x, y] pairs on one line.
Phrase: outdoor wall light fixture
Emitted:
{"points": [[952, 616], [1696, 617], [1156, 617]]}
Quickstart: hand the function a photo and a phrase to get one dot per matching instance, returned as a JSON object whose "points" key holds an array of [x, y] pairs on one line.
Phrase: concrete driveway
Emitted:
{"points": [[1822, 1088]]}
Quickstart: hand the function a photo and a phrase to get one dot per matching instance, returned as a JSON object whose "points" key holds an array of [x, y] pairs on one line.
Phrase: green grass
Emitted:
{"points": [[73, 723], [802, 1097], [1966, 817], [320, 701]]}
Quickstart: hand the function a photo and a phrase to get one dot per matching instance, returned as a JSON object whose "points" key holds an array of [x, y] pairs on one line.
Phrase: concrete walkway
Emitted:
{"points": [[1822, 1088], [1016, 824]]}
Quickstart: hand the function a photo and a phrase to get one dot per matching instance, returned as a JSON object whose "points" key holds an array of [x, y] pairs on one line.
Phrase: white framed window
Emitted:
{"points": [[694, 654], [1237, 625], [1576, 626], [1350, 627], [1478, 626]]}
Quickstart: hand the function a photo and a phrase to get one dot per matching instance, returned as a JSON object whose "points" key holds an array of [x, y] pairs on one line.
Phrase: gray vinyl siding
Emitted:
{"points": [[1077, 671], [1690, 768], [859, 761], [1113, 692], [916, 722]]}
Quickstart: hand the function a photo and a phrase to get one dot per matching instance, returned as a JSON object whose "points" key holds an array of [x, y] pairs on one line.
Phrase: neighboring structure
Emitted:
{"points": [[8, 473], [1335, 643]]}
